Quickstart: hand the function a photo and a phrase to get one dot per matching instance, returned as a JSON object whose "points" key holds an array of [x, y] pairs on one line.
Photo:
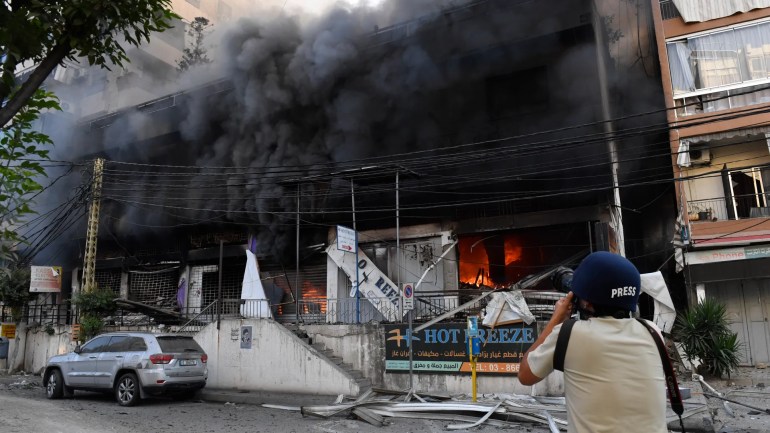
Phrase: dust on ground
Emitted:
{"points": [[749, 386]]}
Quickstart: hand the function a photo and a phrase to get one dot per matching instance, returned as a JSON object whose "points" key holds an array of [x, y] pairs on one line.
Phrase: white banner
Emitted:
{"points": [[252, 291]]}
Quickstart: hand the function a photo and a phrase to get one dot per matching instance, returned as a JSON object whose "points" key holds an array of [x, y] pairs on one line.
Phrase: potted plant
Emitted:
{"points": [[705, 335]]}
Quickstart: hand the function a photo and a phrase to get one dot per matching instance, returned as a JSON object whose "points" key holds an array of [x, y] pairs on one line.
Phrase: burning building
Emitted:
{"points": [[505, 136]]}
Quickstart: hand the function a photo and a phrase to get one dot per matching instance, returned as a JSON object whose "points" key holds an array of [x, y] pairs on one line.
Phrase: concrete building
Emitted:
{"points": [[471, 147], [715, 80]]}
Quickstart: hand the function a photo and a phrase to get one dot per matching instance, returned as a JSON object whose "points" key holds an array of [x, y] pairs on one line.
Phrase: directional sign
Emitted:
{"points": [[346, 239], [473, 326], [408, 294]]}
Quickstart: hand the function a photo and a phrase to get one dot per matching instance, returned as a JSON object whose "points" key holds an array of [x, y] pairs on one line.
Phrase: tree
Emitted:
{"points": [[196, 54], [14, 290], [21, 152], [46, 32]]}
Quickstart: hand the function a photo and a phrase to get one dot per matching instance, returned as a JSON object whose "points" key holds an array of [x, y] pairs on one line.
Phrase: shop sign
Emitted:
{"points": [[728, 254], [444, 348]]}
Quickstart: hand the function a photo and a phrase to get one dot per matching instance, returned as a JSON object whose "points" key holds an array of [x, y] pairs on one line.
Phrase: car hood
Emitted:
{"points": [[59, 358]]}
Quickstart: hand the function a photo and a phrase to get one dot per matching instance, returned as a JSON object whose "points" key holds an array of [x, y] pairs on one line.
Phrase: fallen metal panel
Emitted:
{"points": [[424, 394], [475, 424], [443, 417], [278, 406], [369, 416]]}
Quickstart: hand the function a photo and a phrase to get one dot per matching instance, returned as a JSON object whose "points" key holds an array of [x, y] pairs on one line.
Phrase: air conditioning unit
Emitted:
{"points": [[700, 157]]}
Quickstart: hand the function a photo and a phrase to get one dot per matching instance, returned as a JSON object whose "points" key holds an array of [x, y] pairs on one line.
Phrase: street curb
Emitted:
{"points": [[260, 397]]}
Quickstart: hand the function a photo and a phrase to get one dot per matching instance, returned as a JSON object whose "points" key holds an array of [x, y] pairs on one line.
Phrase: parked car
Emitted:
{"points": [[132, 365]]}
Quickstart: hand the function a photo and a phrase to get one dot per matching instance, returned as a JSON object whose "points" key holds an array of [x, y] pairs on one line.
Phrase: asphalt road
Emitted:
{"points": [[24, 409]]}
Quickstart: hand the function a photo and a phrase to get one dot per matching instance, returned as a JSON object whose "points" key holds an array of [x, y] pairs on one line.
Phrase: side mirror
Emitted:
{"points": [[78, 349]]}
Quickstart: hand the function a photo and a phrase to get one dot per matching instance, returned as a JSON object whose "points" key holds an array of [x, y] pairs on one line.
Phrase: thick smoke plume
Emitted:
{"points": [[316, 90]]}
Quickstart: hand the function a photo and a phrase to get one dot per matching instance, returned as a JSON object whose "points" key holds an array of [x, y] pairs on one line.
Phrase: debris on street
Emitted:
{"points": [[499, 410]]}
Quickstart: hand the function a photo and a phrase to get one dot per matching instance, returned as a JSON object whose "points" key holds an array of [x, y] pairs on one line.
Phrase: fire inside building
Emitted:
{"points": [[469, 148]]}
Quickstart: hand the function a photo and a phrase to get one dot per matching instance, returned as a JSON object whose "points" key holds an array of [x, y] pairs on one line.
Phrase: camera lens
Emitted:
{"points": [[562, 279]]}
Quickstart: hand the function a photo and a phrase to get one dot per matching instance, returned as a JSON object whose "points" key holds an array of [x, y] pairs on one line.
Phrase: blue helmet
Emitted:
{"points": [[608, 280]]}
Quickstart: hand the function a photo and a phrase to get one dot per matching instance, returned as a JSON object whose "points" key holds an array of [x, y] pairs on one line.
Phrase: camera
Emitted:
{"points": [[562, 279]]}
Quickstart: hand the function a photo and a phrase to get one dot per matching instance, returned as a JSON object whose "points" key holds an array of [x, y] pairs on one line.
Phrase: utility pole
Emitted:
{"points": [[89, 262]]}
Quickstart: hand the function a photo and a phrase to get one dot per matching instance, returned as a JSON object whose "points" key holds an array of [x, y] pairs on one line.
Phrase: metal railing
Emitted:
{"points": [[715, 209], [669, 10], [311, 311], [343, 310]]}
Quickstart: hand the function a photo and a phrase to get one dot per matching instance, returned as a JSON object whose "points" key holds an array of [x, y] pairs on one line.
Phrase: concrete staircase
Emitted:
{"points": [[364, 384]]}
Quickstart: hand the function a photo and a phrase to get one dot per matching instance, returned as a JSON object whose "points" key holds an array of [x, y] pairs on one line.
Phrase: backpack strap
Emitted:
{"points": [[561, 344], [671, 384]]}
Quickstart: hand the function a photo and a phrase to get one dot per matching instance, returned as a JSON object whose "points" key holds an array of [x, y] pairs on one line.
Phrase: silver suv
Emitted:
{"points": [[133, 365]]}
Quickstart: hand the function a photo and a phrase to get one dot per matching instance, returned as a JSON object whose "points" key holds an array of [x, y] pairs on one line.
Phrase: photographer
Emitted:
{"points": [[613, 373]]}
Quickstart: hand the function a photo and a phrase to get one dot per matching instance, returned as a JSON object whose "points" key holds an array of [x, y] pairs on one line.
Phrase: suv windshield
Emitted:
{"points": [[173, 344]]}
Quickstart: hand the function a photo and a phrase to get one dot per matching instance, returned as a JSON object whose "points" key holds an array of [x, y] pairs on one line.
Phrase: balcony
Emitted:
{"points": [[745, 220]]}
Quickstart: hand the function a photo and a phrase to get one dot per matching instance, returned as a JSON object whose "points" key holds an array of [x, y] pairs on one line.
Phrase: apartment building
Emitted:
{"points": [[87, 91], [715, 65]]}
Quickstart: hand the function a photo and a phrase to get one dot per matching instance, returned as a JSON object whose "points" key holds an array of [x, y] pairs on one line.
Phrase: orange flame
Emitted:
{"points": [[314, 299], [475, 264]]}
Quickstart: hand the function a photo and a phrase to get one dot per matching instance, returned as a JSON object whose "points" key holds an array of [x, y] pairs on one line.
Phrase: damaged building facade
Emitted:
{"points": [[715, 79], [470, 147]]}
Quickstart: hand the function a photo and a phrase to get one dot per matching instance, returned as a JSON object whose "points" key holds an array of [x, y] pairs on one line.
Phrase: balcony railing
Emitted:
{"points": [[668, 10], [746, 206]]}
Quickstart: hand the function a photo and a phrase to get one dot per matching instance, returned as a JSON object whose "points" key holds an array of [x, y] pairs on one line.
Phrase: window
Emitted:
{"points": [[96, 345], [748, 191], [725, 60], [136, 344], [117, 344], [178, 345]]}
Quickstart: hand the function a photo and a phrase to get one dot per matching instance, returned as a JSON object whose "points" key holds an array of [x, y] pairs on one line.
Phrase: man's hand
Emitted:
{"points": [[562, 310]]}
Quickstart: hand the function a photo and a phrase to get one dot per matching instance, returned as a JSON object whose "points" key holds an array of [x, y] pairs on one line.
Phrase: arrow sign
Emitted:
{"points": [[346, 239]]}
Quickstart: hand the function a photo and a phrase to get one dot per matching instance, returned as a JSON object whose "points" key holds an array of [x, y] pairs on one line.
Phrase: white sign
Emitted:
{"points": [[45, 279], [346, 239], [376, 287], [408, 295]]}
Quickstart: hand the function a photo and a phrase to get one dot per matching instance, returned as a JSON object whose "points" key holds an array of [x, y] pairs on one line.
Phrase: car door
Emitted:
{"points": [[110, 361], [81, 369]]}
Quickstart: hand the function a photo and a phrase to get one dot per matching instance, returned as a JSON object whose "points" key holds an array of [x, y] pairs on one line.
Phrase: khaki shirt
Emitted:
{"points": [[613, 377]]}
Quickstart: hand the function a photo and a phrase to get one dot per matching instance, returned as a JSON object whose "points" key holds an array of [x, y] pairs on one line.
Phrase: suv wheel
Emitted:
{"points": [[54, 387], [127, 390]]}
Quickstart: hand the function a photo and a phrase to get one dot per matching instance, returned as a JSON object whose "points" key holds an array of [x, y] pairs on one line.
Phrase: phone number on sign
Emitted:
{"points": [[492, 367]]}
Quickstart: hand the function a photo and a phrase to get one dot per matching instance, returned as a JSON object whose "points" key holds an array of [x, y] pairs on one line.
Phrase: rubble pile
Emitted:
{"points": [[376, 406]]}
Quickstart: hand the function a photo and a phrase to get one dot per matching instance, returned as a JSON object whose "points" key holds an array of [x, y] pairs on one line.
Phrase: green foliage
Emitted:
{"points": [[21, 152], [704, 334], [90, 326], [96, 303], [14, 290], [196, 53], [93, 305], [45, 32]]}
